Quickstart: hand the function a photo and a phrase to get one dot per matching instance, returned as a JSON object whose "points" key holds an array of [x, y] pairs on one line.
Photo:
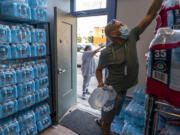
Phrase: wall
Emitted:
{"points": [[132, 12]]}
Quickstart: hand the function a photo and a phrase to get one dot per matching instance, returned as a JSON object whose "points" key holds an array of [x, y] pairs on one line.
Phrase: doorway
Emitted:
{"points": [[90, 32], [92, 17]]}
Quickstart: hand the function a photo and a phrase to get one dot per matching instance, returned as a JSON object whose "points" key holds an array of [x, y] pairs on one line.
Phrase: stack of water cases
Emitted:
{"points": [[35, 10], [131, 120], [24, 82]]}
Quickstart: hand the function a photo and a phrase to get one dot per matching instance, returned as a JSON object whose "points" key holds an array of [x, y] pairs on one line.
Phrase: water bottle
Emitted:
{"points": [[139, 95], [41, 49], [10, 77], [98, 98], [5, 51], [109, 105], [1, 131], [8, 93], [34, 50], [5, 34], [44, 82], [170, 18]]}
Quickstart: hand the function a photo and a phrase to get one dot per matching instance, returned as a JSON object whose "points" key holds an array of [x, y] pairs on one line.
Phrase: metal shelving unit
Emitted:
{"points": [[154, 109], [6, 20]]}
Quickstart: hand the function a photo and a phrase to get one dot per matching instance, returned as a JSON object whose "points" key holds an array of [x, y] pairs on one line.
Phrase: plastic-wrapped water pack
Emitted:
{"points": [[103, 98], [9, 126], [27, 123], [164, 66], [139, 95], [41, 111], [5, 34], [8, 93], [15, 9]]}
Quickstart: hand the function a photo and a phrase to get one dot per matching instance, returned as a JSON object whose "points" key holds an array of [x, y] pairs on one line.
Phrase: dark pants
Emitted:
{"points": [[108, 117]]}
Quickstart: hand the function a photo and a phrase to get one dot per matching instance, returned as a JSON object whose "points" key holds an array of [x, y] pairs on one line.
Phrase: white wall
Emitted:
{"points": [[132, 12]]}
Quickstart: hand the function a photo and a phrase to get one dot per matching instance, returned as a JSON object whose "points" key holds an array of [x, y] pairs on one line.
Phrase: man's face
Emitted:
{"points": [[115, 33]]}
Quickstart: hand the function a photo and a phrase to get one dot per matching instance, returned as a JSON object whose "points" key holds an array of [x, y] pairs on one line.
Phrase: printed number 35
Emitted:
{"points": [[160, 53]]}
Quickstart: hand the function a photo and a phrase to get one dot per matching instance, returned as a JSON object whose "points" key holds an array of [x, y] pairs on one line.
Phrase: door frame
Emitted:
{"points": [[110, 10]]}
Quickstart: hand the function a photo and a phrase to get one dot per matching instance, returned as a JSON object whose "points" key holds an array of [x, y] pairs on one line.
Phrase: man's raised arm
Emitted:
{"points": [[151, 14]]}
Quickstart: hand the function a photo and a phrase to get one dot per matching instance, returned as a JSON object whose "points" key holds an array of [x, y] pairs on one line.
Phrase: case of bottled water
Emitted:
{"points": [[42, 110], [19, 34], [42, 94], [15, 9], [39, 14], [10, 126], [26, 88], [21, 50], [139, 95], [8, 108], [38, 3], [135, 114], [7, 77], [41, 69], [164, 66], [5, 51], [38, 36], [43, 82], [8, 93], [26, 101], [5, 34], [27, 123], [41, 49], [129, 129], [46, 122]]}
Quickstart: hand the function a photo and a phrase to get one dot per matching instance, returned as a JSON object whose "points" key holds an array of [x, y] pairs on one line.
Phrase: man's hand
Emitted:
{"points": [[99, 76], [151, 14], [101, 84]]}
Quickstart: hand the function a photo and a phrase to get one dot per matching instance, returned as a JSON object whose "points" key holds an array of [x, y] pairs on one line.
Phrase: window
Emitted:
{"points": [[90, 4]]}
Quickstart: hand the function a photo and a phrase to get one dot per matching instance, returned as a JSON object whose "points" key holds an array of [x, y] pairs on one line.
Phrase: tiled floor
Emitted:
{"points": [[58, 130]]}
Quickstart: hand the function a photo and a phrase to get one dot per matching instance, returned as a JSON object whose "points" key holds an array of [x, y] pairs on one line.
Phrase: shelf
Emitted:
{"points": [[12, 19], [24, 59]]}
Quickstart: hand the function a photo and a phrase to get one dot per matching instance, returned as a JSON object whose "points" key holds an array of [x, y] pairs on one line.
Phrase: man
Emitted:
{"points": [[88, 68], [120, 58]]}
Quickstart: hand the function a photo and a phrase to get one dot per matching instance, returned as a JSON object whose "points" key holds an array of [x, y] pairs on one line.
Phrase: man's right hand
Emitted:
{"points": [[101, 84]]}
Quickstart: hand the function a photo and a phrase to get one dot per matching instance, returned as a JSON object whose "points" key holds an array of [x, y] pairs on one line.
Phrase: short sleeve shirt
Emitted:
{"points": [[119, 58]]}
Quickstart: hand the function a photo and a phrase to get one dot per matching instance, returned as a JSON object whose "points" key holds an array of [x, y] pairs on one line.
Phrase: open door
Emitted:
{"points": [[65, 41]]}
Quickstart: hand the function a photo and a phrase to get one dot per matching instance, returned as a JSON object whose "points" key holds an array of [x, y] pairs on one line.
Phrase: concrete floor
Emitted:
{"points": [[83, 104]]}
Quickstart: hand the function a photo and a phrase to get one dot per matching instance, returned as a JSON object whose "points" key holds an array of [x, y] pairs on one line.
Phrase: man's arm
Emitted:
{"points": [[99, 76], [97, 50], [151, 14]]}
